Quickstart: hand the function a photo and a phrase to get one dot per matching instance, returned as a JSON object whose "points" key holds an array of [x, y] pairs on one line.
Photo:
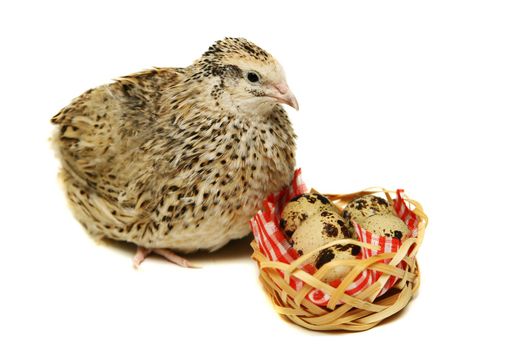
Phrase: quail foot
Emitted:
{"points": [[176, 160]]}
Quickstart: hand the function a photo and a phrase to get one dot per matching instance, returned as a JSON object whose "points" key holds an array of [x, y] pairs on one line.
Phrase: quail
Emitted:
{"points": [[176, 160]]}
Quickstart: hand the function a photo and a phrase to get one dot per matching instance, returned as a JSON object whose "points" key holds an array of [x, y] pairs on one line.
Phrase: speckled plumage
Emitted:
{"points": [[179, 158]]}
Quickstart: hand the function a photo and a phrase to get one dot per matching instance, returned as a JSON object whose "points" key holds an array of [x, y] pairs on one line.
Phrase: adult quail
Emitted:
{"points": [[179, 159]]}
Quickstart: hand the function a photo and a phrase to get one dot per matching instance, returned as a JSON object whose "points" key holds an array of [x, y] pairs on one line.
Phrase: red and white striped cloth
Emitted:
{"points": [[275, 246]]}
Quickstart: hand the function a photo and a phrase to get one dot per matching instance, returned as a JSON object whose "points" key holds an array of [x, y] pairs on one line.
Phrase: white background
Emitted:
{"points": [[425, 96]]}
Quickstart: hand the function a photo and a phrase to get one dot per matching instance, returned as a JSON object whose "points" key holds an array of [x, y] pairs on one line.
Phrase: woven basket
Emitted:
{"points": [[357, 312]]}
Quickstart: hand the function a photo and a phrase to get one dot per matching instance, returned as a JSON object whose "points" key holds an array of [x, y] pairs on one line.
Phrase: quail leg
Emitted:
{"points": [[140, 256], [142, 253]]}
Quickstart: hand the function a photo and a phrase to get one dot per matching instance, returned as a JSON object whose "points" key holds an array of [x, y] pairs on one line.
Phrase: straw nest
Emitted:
{"points": [[358, 312]]}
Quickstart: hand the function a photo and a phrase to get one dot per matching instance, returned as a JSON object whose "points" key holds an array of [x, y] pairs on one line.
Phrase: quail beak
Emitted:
{"points": [[282, 93]]}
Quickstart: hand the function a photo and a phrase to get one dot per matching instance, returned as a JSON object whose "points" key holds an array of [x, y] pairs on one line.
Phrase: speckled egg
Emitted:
{"points": [[320, 229], [301, 208], [336, 252], [363, 207], [387, 225]]}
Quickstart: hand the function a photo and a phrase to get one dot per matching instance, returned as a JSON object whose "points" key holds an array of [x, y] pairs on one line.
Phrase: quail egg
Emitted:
{"points": [[363, 207], [320, 229], [336, 252], [388, 225], [301, 208]]}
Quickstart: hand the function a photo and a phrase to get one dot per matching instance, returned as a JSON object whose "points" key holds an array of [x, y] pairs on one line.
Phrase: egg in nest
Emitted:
{"points": [[320, 229], [363, 207], [387, 225], [300, 208], [336, 252]]}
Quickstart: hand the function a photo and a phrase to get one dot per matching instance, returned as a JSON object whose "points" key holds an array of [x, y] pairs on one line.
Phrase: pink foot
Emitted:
{"points": [[142, 254]]}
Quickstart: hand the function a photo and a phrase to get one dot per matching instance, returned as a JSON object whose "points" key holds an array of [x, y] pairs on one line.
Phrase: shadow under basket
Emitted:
{"points": [[342, 310]]}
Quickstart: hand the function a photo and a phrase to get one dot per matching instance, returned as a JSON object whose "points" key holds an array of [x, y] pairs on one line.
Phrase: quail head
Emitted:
{"points": [[178, 159]]}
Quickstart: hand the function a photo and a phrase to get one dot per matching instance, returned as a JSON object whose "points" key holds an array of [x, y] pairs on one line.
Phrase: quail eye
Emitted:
{"points": [[252, 77]]}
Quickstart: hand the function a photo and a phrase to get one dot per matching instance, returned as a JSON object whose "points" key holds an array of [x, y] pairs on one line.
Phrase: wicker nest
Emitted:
{"points": [[397, 283]]}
